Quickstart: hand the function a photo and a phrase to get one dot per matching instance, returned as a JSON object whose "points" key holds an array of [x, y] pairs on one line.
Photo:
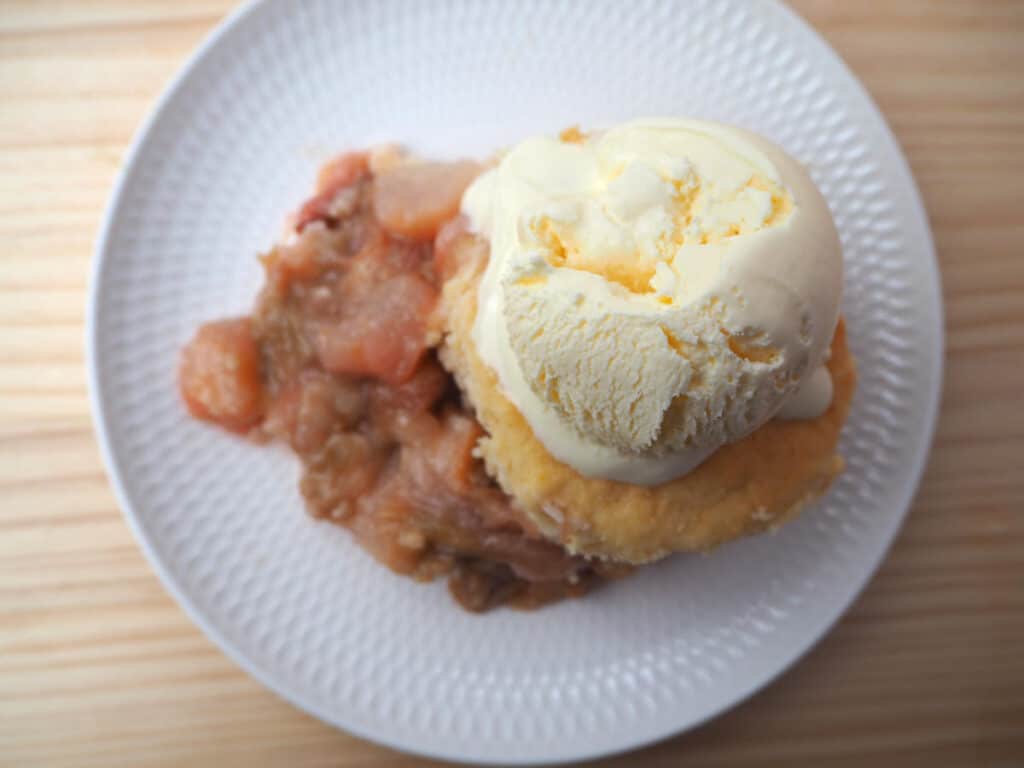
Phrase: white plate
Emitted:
{"points": [[234, 145]]}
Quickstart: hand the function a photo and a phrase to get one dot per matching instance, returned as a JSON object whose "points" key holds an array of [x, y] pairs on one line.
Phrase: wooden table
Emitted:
{"points": [[99, 667]]}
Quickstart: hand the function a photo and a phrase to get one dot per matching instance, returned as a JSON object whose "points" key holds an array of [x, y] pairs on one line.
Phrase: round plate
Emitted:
{"points": [[234, 145]]}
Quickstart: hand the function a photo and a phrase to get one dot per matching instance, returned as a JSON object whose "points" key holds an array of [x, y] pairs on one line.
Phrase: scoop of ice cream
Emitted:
{"points": [[654, 291]]}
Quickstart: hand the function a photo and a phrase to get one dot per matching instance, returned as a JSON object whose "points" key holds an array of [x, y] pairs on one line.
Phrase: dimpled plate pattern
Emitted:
{"points": [[234, 145]]}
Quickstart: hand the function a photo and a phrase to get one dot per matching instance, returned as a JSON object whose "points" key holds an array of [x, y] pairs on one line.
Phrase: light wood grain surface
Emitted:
{"points": [[99, 667]]}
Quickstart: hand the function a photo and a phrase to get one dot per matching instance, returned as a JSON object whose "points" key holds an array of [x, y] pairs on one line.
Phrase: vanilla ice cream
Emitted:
{"points": [[654, 291]]}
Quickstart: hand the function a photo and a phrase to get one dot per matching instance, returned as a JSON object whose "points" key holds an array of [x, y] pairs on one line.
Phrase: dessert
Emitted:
{"points": [[532, 377], [653, 296]]}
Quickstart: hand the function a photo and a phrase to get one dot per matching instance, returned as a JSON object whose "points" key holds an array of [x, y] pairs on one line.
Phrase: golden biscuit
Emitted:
{"points": [[743, 488]]}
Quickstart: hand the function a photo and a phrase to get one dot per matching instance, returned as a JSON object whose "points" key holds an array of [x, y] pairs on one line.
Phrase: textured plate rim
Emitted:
{"points": [[397, 740]]}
